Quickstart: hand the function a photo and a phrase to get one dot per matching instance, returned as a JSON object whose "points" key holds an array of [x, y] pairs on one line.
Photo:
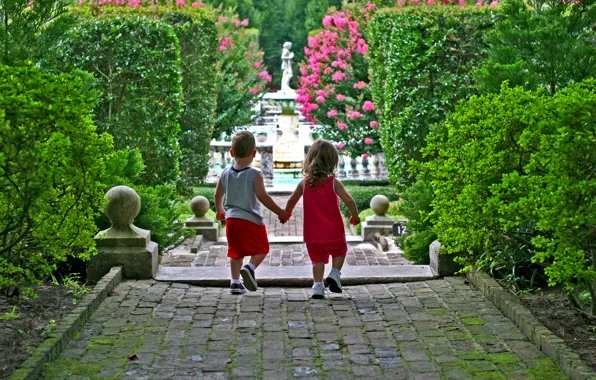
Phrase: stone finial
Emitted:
{"points": [[124, 204], [199, 206], [379, 204]]}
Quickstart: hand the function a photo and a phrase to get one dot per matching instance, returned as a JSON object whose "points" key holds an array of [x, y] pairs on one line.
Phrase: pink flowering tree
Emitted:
{"points": [[334, 84], [241, 76]]}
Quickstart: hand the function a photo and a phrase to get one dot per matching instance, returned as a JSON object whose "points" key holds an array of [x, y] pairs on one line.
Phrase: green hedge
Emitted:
{"points": [[514, 183], [363, 195], [394, 212], [136, 62], [52, 162], [197, 35], [421, 60]]}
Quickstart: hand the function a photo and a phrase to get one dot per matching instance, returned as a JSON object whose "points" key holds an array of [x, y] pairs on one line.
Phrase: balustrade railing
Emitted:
{"points": [[220, 158]]}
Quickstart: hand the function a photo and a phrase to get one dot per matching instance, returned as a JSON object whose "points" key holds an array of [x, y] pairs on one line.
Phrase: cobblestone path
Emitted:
{"points": [[442, 329], [215, 255]]}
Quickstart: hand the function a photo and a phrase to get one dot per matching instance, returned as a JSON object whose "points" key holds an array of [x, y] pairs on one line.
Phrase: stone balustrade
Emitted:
{"points": [[361, 168]]}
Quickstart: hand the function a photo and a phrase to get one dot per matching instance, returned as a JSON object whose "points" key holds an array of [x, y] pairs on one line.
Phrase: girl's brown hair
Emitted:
{"points": [[320, 162]]}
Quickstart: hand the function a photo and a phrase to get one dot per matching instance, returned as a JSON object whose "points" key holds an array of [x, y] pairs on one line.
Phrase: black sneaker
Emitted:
{"points": [[237, 289], [248, 275]]}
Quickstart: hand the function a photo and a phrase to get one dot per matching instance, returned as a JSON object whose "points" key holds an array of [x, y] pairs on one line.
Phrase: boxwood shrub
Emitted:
{"points": [[52, 163]]}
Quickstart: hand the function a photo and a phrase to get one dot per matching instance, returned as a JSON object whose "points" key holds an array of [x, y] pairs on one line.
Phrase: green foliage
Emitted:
{"points": [[158, 212], [316, 10], [394, 212], [365, 183], [71, 282], [363, 195], [136, 62], [514, 183], [416, 207], [31, 30], [421, 61], [547, 44], [12, 314], [51, 166]]}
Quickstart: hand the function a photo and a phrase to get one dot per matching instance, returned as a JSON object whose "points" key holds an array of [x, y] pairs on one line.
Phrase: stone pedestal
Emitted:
{"points": [[379, 223], [123, 244], [441, 264], [199, 222]]}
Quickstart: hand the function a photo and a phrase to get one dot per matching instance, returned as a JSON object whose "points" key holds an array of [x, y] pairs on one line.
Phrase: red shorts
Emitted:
{"points": [[319, 253], [246, 238]]}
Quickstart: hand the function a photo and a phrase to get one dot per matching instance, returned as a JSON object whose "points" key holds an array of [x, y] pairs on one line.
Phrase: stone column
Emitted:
{"points": [[212, 172], [341, 164], [354, 171], [374, 171], [266, 152], [365, 170], [378, 223], [123, 244], [200, 223]]}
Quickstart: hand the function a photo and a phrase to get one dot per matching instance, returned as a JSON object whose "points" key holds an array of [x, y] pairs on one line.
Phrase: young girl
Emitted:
{"points": [[324, 233]]}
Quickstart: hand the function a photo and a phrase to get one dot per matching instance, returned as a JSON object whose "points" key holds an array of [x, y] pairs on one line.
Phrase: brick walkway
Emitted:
{"points": [[442, 329], [214, 254]]}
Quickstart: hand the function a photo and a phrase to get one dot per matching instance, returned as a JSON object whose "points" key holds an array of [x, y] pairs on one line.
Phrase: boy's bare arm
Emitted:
{"points": [[294, 198], [343, 194], [219, 204], [266, 200]]}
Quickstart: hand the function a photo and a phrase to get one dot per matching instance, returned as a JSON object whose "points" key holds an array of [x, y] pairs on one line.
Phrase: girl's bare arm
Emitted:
{"points": [[294, 198], [343, 194]]}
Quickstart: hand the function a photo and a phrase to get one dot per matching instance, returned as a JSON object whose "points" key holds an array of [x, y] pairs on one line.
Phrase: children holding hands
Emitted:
{"points": [[324, 233]]}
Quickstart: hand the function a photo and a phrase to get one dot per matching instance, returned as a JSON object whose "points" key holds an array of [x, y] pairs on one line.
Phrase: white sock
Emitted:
{"points": [[236, 281], [318, 283], [334, 270], [251, 266]]}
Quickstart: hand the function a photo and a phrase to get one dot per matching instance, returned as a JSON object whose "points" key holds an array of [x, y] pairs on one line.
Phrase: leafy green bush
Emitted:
{"points": [[416, 207], [207, 192], [363, 195], [547, 44], [136, 62], [364, 183], [158, 212], [32, 30], [514, 177], [197, 35], [51, 166], [394, 212], [421, 61]]}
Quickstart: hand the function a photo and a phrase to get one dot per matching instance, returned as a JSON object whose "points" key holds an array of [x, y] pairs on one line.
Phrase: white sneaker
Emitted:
{"points": [[333, 281], [318, 291]]}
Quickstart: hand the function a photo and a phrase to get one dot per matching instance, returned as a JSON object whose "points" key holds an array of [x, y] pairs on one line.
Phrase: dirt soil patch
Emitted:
{"points": [[20, 336], [553, 310]]}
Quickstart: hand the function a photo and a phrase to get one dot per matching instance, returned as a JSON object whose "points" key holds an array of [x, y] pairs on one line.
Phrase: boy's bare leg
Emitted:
{"points": [[338, 262], [256, 260], [235, 266], [318, 269]]}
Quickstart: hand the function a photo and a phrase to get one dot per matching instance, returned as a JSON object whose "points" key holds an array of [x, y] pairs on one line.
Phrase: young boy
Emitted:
{"points": [[243, 188]]}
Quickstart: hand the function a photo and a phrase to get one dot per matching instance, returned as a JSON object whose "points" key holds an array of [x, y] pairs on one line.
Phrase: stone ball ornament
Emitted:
{"points": [[379, 204], [199, 206], [124, 204]]}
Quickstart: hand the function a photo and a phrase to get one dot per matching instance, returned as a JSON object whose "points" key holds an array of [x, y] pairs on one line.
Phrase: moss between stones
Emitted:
{"points": [[472, 321], [502, 358], [437, 311]]}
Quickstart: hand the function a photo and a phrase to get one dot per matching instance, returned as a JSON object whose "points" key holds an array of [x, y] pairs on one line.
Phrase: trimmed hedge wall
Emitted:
{"points": [[421, 60], [137, 63], [197, 37]]}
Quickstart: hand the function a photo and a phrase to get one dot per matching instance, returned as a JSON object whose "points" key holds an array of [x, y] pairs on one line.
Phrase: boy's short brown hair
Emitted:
{"points": [[243, 144]]}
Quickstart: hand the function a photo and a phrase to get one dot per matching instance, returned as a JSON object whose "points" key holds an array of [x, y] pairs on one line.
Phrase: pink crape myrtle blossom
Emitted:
{"points": [[340, 97], [368, 106], [354, 115], [341, 125], [340, 146], [360, 85], [244, 22], [320, 99], [368, 141], [374, 124], [371, 6], [365, 155], [332, 113]]}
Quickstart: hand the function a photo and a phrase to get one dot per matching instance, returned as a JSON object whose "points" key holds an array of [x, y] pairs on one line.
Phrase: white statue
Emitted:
{"points": [[286, 66]]}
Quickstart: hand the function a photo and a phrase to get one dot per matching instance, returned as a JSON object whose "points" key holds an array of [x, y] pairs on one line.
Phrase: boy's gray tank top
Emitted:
{"points": [[241, 200]]}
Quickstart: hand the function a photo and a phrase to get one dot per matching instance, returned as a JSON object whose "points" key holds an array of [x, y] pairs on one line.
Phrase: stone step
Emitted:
{"points": [[293, 239], [296, 276]]}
